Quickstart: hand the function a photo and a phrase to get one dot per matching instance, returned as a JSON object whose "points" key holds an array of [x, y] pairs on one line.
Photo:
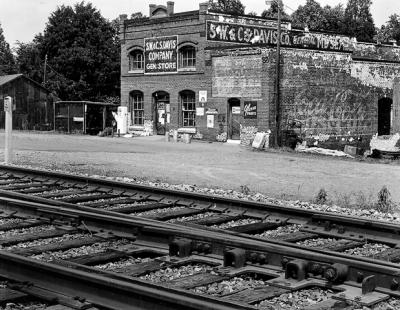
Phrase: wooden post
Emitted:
{"points": [[104, 117], [84, 119], [68, 118], [8, 107], [54, 115]]}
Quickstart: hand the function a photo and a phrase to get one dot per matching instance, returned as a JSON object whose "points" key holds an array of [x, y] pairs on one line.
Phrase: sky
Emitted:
{"points": [[21, 20]]}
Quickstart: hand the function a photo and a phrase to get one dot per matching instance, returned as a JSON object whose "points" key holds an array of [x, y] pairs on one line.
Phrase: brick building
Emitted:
{"points": [[215, 75]]}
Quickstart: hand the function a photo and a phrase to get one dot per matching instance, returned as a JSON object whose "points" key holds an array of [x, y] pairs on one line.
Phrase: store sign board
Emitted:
{"points": [[161, 55], [250, 109], [247, 34]]}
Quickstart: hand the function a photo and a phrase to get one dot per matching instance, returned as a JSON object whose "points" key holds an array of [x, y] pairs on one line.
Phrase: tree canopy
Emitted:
{"points": [[272, 12], [7, 62], [234, 7], [391, 30], [311, 15], [83, 55], [358, 21]]}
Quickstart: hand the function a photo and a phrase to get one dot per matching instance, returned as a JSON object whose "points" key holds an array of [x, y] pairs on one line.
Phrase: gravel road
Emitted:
{"points": [[282, 175]]}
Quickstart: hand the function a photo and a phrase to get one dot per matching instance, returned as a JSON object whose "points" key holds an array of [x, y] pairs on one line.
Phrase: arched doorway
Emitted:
{"points": [[161, 111], [384, 116], [234, 118]]}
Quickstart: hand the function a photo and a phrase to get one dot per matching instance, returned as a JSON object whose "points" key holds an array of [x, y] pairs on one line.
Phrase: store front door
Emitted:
{"points": [[161, 111], [234, 119]]}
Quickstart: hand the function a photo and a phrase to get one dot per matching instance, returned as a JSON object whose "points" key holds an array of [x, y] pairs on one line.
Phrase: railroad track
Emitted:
{"points": [[109, 262], [255, 221]]}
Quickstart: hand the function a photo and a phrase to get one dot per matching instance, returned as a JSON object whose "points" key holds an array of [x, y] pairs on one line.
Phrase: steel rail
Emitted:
{"points": [[104, 291], [377, 227], [386, 273]]}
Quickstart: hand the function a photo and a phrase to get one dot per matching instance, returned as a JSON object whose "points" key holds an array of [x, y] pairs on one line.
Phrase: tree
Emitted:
{"points": [[390, 31], [233, 7], [358, 21], [83, 53], [334, 19], [137, 15], [272, 12], [310, 15], [28, 60], [7, 61]]}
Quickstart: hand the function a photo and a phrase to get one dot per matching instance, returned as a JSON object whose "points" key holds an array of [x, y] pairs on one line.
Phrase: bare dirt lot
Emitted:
{"points": [[214, 165]]}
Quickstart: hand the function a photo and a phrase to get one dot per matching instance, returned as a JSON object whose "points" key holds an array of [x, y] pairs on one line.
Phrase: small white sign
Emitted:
{"points": [[199, 111], [235, 110], [203, 96], [7, 104], [210, 121], [78, 119]]}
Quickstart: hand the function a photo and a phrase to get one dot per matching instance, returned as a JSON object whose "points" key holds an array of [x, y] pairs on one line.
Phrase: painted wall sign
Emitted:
{"points": [[250, 109], [239, 33], [237, 76], [161, 55]]}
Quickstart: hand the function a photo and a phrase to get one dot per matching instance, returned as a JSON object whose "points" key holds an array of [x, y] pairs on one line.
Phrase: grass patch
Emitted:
{"points": [[358, 200]]}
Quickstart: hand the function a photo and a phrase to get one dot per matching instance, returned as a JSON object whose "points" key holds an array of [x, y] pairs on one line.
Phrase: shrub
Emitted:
{"points": [[321, 197]]}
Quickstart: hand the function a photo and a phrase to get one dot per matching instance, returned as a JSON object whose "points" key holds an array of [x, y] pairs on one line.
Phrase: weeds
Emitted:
{"points": [[384, 203], [321, 197], [359, 200], [244, 189]]}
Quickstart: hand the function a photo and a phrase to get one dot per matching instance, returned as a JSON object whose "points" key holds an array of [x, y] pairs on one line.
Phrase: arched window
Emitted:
{"points": [[188, 104], [136, 106], [136, 60], [187, 57]]}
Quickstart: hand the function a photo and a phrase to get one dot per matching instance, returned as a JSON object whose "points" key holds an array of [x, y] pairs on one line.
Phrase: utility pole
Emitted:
{"points": [[277, 81], [44, 70]]}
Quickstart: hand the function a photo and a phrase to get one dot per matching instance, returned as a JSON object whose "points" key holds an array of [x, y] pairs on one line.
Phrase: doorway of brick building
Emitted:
{"points": [[384, 116], [234, 119], [162, 114]]}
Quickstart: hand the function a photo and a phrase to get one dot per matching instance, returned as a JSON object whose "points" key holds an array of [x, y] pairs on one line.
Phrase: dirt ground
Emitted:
{"points": [[281, 175]]}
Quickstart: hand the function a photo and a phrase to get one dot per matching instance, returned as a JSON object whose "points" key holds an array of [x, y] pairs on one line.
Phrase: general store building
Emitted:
{"points": [[214, 75]]}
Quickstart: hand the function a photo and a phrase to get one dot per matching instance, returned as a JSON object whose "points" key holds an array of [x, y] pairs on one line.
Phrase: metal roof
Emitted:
{"points": [[4, 79], [88, 102]]}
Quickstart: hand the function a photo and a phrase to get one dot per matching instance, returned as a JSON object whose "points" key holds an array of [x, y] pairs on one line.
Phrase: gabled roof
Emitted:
{"points": [[4, 79]]}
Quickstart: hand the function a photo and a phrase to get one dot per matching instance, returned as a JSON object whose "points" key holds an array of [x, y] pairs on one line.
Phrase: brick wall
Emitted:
{"points": [[330, 95]]}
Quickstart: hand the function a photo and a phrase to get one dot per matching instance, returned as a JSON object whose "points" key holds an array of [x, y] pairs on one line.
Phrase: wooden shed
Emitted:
{"points": [[85, 117], [33, 103]]}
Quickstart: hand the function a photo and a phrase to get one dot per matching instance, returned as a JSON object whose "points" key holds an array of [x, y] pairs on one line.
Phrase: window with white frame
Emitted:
{"points": [[187, 57], [136, 107], [136, 60], [188, 104]]}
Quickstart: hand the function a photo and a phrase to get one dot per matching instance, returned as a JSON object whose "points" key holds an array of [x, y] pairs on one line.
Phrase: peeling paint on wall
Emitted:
{"points": [[375, 75], [332, 113]]}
